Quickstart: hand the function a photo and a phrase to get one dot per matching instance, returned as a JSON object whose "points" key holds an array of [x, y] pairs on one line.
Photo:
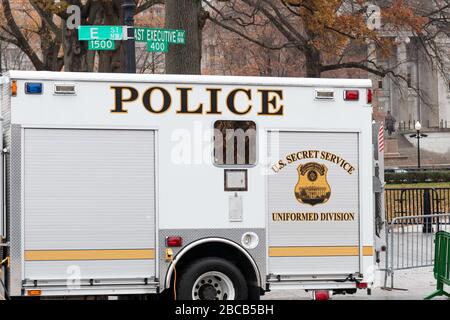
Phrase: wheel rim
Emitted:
{"points": [[213, 285]]}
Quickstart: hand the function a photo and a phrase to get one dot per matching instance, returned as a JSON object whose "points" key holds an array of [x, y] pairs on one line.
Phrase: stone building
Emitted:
{"points": [[12, 58], [424, 96]]}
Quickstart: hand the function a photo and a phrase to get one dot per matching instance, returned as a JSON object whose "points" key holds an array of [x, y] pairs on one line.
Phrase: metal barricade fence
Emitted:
{"points": [[410, 242], [415, 201]]}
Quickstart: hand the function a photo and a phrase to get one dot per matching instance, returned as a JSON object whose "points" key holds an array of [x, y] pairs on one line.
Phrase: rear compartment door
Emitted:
{"points": [[313, 202], [89, 204]]}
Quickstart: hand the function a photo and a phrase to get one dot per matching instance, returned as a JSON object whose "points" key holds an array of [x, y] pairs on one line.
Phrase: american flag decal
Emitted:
{"points": [[381, 138]]}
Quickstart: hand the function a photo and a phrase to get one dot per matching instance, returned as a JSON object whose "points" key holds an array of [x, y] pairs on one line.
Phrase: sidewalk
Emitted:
{"points": [[418, 282]]}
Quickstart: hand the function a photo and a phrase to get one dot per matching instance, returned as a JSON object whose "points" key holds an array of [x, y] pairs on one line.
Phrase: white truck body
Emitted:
{"points": [[97, 179]]}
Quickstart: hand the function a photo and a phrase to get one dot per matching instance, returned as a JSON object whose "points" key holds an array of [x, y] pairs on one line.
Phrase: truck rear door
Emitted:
{"points": [[313, 203], [89, 206]]}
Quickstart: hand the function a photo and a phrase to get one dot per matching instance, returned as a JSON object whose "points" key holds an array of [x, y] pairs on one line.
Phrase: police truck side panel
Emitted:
{"points": [[115, 182]]}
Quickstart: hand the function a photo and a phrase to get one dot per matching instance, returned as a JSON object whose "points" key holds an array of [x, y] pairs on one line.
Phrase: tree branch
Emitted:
{"points": [[22, 42], [243, 35], [47, 17], [147, 4]]}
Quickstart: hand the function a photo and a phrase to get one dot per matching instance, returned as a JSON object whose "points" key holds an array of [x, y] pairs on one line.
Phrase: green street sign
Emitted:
{"points": [[160, 35], [101, 45], [100, 33], [181, 37], [157, 46], [103, 37]]}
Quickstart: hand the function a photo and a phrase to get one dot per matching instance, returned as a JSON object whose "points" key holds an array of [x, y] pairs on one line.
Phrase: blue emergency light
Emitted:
{"points": [[33, 88]]}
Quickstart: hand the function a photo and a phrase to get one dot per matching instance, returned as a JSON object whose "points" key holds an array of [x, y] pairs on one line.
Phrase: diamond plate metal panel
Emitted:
{"points": [[14, 204], [191, 235]]}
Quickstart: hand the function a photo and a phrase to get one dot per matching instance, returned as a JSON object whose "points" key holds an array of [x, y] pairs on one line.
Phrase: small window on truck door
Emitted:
{"points": [[234, 143]]}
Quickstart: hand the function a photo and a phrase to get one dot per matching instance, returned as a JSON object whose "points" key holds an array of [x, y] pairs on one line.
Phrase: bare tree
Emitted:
{"points": [[12, 58], [187, 15], [332, 34], [228, 53], [59, 45], [23, 36]]}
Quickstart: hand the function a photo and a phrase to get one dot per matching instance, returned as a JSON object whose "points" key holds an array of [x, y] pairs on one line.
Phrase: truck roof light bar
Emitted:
{"points": [[14, 88], [324, 94], [33, 87], [64, 89]]}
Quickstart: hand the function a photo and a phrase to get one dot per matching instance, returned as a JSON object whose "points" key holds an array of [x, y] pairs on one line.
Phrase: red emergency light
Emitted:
{"points": [[369, 96], [174, 241], [361, 285], [351, 95], [321, 295]]}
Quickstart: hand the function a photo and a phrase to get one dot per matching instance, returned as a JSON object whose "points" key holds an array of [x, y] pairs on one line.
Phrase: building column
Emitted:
{"points": [[378, 111], [428, 85], [399, 92]]}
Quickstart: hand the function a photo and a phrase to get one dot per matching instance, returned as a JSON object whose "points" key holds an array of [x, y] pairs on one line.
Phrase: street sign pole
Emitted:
{"points": [[128, 7]]}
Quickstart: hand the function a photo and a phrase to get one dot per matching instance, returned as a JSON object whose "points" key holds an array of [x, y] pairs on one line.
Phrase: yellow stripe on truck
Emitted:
{"points": [[60, 255], [319, 251]]}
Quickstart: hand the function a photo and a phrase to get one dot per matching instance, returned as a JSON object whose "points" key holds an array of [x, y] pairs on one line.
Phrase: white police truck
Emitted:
{"points": [[200, 187]]}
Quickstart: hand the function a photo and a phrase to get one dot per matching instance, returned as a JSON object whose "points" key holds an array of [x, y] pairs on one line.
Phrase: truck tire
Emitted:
{"points": [[254, 293], [211, 279]]}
